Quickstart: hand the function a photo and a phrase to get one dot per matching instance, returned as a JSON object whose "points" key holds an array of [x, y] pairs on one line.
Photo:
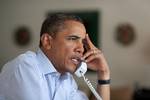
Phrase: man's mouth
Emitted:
{"points": [[76, 61]]}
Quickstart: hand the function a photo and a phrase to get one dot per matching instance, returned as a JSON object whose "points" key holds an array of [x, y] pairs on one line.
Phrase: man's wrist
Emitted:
{"points": [[103, 75]]}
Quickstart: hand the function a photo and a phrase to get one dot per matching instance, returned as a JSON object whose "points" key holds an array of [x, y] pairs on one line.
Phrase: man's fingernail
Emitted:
{"points": [[82, 58], [85, 61]]}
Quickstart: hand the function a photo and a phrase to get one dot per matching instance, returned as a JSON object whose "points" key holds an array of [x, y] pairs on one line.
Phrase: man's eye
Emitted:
{"points": [[72, 38]]}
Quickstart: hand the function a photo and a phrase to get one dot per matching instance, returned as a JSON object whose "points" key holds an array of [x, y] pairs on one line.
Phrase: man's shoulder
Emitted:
{"points": [[28, 57], [25, 60]]}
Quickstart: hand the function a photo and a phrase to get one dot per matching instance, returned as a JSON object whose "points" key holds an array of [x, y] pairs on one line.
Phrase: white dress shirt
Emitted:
{"points": [[31, 76]]}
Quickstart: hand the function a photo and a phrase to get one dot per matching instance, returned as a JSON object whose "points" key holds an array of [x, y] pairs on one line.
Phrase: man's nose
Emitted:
{"points": [[80, 48]]}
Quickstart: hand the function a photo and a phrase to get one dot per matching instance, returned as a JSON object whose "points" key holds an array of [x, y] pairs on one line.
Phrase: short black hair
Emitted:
{"points": [[56, 22]]}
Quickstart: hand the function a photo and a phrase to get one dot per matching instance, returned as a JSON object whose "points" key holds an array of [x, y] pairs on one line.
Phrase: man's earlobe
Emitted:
{"points": [[46, 41]]}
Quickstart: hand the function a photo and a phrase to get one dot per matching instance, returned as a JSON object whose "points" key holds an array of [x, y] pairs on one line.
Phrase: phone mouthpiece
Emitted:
{"points": [[81, 70]]}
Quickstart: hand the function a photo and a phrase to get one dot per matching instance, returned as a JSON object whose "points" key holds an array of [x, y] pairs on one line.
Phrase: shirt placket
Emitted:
{"points": [[57, 84]]}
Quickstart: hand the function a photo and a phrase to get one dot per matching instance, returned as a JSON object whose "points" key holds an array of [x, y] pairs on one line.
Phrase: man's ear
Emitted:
{"points": [[46, 41]]}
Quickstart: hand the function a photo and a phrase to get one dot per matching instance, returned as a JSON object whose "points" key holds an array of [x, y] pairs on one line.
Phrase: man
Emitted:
{"points": [[47, 74]]}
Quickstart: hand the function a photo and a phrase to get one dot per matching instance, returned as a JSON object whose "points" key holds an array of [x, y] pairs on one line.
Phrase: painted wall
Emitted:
{"points": [[129, 64]]}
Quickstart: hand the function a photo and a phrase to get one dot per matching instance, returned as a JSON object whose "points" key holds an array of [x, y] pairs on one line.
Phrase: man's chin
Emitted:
{"points": [[72, 70]]}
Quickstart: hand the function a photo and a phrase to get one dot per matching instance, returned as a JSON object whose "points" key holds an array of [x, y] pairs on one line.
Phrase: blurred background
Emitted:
{"points": [[123, 31]]}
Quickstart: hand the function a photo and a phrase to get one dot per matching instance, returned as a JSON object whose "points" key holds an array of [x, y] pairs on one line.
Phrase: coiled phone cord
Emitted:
{"points": [[87, 81]]}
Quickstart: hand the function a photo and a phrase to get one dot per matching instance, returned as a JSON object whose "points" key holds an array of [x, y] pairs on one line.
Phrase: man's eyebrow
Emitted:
{"points": [[74, 36]]}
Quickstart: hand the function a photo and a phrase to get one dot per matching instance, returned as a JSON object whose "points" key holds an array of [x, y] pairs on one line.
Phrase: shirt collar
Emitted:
{"points": [[45, 64]]}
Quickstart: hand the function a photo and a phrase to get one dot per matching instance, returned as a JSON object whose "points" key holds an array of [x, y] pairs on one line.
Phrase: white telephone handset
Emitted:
{"points": [[81, 70]]}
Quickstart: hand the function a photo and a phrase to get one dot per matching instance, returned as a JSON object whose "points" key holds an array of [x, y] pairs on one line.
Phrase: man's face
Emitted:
{"points": [[67, 48]]}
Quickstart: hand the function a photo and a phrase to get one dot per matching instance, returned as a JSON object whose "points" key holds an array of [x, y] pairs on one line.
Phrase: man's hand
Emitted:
{"points": [[94, 57]]}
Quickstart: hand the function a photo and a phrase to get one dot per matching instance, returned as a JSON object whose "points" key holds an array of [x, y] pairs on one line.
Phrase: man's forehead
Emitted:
{"points": [[80, 35]]}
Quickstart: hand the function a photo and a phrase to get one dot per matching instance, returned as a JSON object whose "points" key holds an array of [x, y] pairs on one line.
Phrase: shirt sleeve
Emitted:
{"points": [[19, 81], [77, 94]]}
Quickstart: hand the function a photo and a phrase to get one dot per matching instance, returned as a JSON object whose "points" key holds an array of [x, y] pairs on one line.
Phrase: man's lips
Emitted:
{"points": [[76, 60]]}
